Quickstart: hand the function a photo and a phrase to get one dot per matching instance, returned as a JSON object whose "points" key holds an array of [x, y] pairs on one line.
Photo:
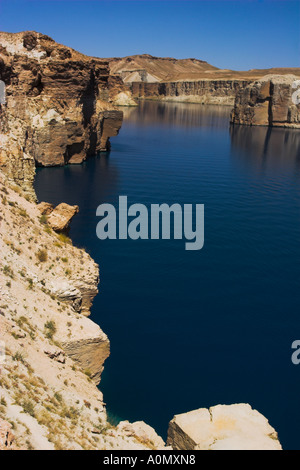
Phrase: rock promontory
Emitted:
{"points": [[270, 101], [58, 106]]}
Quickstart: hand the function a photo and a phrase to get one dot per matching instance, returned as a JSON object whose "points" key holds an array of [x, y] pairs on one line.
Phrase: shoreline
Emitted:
{"points": [[54, 354]]}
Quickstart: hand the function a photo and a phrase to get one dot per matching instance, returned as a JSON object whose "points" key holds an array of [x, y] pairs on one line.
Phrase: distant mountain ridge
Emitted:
{"points": [[168, 69]]}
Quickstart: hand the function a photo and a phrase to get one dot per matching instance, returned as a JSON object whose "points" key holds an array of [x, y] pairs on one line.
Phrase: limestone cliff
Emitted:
{"points": [[185, 80], [58, 106], [268, 102], [204, 91]]}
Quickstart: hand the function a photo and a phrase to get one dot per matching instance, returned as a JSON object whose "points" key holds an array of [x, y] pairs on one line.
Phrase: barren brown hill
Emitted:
{"points": [[166, 69], [163, 68]]}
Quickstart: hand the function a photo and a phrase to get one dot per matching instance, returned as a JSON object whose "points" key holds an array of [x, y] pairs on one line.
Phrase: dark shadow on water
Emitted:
{"points": [[266, 148]]}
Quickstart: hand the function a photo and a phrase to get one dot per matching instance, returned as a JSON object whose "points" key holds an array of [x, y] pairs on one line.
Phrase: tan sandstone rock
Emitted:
{"points": [[45, 208], [59, 219], [124, 99], [268, 101], [143, 432], [89, 349], [222, 427]]}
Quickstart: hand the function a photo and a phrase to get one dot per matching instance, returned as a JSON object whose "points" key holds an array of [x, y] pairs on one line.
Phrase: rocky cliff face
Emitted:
{"points": [[270, 101], [201, 91], [43, 266], [58, 106], [186, 80]]}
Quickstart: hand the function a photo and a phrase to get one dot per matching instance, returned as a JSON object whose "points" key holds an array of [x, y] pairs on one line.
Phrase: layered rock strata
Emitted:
{"points": [[58, 105], [187, 80], [205, 91], [271, 101]]}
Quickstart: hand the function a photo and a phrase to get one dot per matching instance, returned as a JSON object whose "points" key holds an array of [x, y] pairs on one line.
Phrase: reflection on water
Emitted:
{"points": [[266, 147], [73, 184], [178, 114]]}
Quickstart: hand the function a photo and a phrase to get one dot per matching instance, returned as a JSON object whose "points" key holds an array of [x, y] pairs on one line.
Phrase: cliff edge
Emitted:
{"points": [[271, 101], [56, 108]]}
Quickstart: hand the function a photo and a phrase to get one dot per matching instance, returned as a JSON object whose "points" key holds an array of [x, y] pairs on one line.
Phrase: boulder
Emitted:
{"points": [[59, 219], [222, 427]]}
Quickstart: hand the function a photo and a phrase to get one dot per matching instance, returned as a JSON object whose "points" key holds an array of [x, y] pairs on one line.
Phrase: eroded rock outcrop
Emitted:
{"points": [[222, 427], [89, 349], [270, 101], [58, 107], [59, 219], [45, 208]]}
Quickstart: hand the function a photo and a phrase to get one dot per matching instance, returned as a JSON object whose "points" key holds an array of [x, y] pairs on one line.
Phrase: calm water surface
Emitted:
{"points": [[194, 329]]}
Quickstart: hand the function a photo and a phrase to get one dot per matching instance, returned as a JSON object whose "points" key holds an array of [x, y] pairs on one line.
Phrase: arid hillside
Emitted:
{"points": [[166, 69]]}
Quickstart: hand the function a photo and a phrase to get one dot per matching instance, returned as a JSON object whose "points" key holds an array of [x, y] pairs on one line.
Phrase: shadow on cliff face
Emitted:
{"points": [[266, 149], [88, 100]]}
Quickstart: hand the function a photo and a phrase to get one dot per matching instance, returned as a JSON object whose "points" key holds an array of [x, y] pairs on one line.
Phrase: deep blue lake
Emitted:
{"points": [[192, 329]]}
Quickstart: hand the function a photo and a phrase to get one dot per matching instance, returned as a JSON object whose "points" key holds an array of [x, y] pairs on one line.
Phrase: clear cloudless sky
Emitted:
{"points": [[235, 34]]}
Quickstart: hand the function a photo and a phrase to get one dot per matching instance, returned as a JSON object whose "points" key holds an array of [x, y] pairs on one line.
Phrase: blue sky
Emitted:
{"points": [[238, 34]]}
